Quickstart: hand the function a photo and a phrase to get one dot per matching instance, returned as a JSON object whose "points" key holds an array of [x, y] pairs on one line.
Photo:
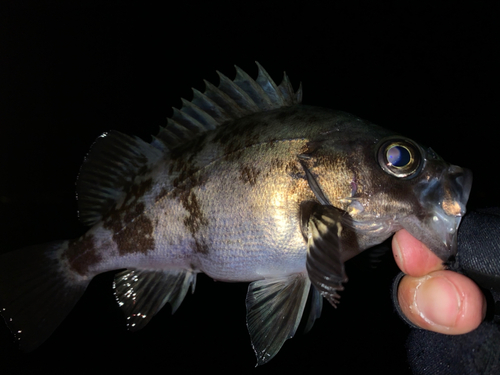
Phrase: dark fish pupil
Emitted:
{"points": [[398, 156]]}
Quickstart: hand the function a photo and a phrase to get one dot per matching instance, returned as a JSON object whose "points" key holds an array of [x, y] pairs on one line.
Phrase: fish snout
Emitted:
{"points": [[457, 183], [453, 197], [444, 200]]}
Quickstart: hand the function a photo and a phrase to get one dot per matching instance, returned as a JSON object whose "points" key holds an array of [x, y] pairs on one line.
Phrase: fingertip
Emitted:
{"points": [[444, 302], [412, 256], [474, 306]]}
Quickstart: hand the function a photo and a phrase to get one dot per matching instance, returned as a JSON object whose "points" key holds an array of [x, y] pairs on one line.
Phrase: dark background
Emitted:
{"points": [[69, 73]]}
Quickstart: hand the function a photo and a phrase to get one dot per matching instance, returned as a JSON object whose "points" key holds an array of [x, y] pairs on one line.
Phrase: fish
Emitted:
{"points": [[245, 184]]}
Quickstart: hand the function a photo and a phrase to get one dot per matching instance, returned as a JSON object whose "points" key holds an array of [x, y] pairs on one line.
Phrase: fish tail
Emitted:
{"points": [[36, 293]]}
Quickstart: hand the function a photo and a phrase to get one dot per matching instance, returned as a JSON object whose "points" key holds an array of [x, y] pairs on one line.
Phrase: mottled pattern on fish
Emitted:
{"points": [[243, 184]]}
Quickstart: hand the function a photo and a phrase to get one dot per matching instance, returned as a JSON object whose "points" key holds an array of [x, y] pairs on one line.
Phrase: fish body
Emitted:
{"points": [[243, 184], [189, 216]]}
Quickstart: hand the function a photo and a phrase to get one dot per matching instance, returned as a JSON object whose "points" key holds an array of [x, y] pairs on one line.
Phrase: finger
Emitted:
{"points": [[443, 301], [412, 256]]}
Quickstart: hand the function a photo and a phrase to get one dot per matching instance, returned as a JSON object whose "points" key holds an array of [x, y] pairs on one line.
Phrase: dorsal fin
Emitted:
{"points": [[108, 171], [115, 159], [229, 101]]}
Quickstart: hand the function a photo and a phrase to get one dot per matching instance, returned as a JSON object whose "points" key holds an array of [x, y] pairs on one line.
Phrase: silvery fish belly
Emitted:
{"points": [[244, 184]]}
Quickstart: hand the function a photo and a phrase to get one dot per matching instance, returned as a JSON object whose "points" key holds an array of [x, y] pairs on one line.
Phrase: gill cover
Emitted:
{"points": [[441, 190]]}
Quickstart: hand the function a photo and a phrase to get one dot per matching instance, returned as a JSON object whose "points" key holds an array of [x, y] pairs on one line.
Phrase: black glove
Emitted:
{"points": [[477, 352]]}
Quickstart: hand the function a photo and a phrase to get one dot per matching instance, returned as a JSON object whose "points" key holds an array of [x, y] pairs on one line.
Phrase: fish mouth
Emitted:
{"points": [[443, 200]]}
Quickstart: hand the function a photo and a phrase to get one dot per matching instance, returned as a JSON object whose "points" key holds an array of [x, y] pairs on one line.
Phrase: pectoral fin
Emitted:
{"points": [[326, 241], [274, 310]]}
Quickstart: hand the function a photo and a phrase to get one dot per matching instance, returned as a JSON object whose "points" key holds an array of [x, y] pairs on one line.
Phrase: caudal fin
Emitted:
{"points": [[35, 292]]}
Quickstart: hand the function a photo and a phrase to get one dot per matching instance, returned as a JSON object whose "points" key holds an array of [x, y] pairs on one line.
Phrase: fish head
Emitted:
{"points": [[440, 192], [387, 182]]}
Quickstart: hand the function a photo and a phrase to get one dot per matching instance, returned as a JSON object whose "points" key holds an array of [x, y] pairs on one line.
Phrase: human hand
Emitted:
{"points": [[432, 297]]}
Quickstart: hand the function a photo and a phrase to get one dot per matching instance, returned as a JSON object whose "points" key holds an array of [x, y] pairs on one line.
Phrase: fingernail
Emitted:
{"points": [[397, 249], [438, 301]]}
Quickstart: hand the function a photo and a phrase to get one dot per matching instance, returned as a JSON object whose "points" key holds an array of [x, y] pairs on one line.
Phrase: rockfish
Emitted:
{"points": [[244, 184]]}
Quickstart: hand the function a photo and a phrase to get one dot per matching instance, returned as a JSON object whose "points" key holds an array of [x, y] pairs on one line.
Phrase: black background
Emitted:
{"points": [[69, 73]]}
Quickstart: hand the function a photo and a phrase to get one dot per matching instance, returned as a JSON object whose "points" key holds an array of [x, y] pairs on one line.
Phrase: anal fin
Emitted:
{"points": [[141, 294], [274, 310]]}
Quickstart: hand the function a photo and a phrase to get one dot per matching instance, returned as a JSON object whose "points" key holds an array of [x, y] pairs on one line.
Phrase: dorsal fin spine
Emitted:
{"points": [[168, 137], [158, 144], [223, 100], [286, 87], [184, 120], [244, 101], [231, 100], [210, 107], [204, 120], [256, 92], [268, 85], [298, 94]]}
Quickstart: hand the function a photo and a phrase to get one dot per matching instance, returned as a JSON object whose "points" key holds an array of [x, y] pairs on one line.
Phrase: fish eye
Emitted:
{"points": [[400, 157]]}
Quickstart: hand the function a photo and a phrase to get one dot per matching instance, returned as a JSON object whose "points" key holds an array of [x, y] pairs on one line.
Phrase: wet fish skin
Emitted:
{"points": [[244, 184]]}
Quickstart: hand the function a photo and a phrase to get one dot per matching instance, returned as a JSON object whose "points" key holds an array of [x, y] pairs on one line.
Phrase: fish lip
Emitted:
{"points": [[443, 200], [455, 208]]}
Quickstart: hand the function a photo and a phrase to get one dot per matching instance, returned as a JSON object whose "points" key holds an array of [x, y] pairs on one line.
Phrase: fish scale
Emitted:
{"points": [[244, 184]]}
